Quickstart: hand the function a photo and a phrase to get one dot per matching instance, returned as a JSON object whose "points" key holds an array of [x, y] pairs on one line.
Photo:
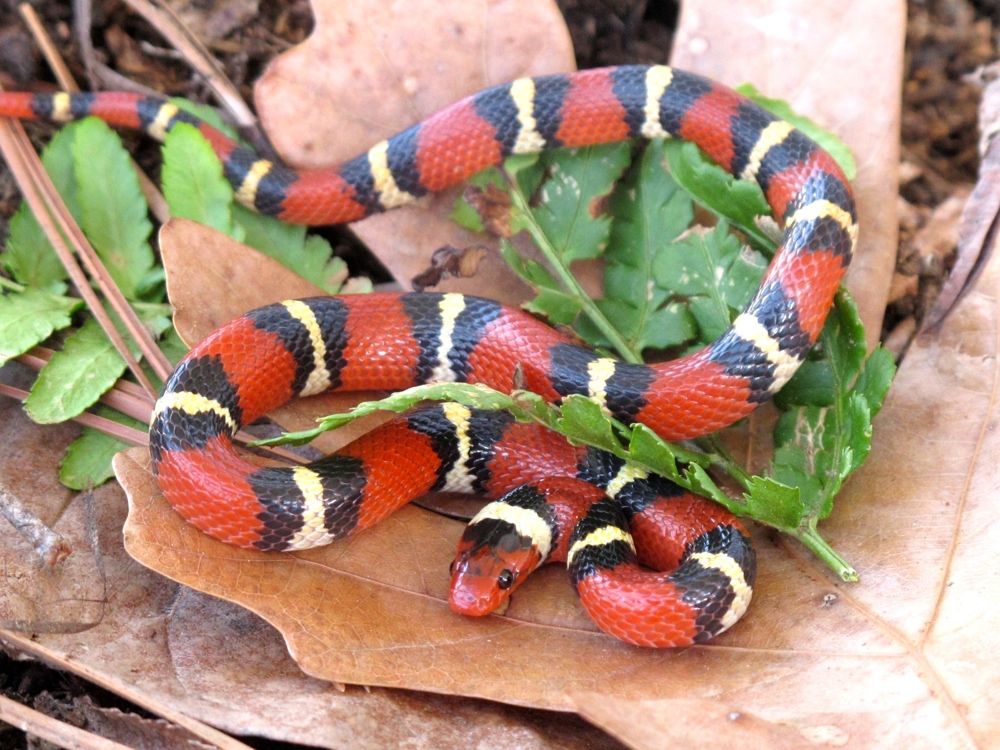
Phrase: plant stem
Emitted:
{"points": [[12, 285], [721, 459], [569, 282], [816, 544]]}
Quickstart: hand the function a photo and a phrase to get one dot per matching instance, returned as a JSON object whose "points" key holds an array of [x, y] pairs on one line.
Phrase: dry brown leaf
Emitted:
{"points": [[372, 609], [371, 69], [840, 66], [206, 294], [654, 724], [66, 597], [881, 663]]}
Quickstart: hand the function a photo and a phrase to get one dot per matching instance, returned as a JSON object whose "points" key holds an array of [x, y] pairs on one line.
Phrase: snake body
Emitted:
{"points": [[393, 341]]}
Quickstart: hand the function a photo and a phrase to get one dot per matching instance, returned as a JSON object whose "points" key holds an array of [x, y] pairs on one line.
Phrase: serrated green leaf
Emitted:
{"points": [[875, 378], [113, 210], [75, 377], [569, 208], [812, 385], [738, 201], [193, 183], [560, 308], [318, 264], [308, 256], [172, 346], [792, 467], [528, 170], [87, 461], [28, 318], [583, 420], [775, 503], [29, 257], [469, 394], [712, 269], [531, 271], [819, 445], [843, 340], [649, 212], [267, 234], [647, 448], [153, 285], [827, 140], [696, 479], [669, 326]]}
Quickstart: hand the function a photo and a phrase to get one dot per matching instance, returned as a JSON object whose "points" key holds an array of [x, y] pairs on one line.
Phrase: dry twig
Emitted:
{"points": [[23, 644], [37, 724]]}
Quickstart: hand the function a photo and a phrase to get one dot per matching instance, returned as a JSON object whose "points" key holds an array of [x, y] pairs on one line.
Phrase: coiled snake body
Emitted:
{"points": [[393, 341]]}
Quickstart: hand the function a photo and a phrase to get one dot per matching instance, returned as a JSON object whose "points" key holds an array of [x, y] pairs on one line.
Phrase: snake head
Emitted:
{"points": [[492, 560]]}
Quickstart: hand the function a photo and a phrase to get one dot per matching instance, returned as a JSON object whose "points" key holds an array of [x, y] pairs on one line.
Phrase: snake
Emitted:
{"points": [[653, 565]]}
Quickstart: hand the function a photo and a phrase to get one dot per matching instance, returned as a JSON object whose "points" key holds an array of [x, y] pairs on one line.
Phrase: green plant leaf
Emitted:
{"points": [[471, 395], [716, 274], [819, 444], [267, 234], [172, 346], [113, 211], [649, 213], [583, 421], [777, 504], [739, 201], [310, 256], [193, 183], [87, 461], [875, 378], [571, 206], [75, 377], [28, 318], [29, 257], [812, 385], [206, 113]]}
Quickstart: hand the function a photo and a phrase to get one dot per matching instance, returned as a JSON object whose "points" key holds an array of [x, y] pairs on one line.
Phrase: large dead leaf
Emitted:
{"points": [[370, 70], [893, 659], [882, 662]]}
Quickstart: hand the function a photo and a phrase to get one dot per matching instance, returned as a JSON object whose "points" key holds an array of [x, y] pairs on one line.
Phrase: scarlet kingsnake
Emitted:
{"points": [[392, 341]]}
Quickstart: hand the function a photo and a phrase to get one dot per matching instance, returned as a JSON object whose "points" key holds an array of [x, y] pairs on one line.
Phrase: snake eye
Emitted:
{"points": [[506, 579]]}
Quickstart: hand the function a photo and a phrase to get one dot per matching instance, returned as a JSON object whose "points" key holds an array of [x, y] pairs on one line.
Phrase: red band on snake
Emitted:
{"points": [[393, 341]]}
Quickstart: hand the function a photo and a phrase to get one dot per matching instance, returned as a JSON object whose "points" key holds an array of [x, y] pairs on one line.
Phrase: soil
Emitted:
{"points": [[946, 40]]}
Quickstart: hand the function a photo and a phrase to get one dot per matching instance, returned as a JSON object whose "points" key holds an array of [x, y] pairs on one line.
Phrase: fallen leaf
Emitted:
{"points": [[654, 724], [65, 597], [370, 70]]}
